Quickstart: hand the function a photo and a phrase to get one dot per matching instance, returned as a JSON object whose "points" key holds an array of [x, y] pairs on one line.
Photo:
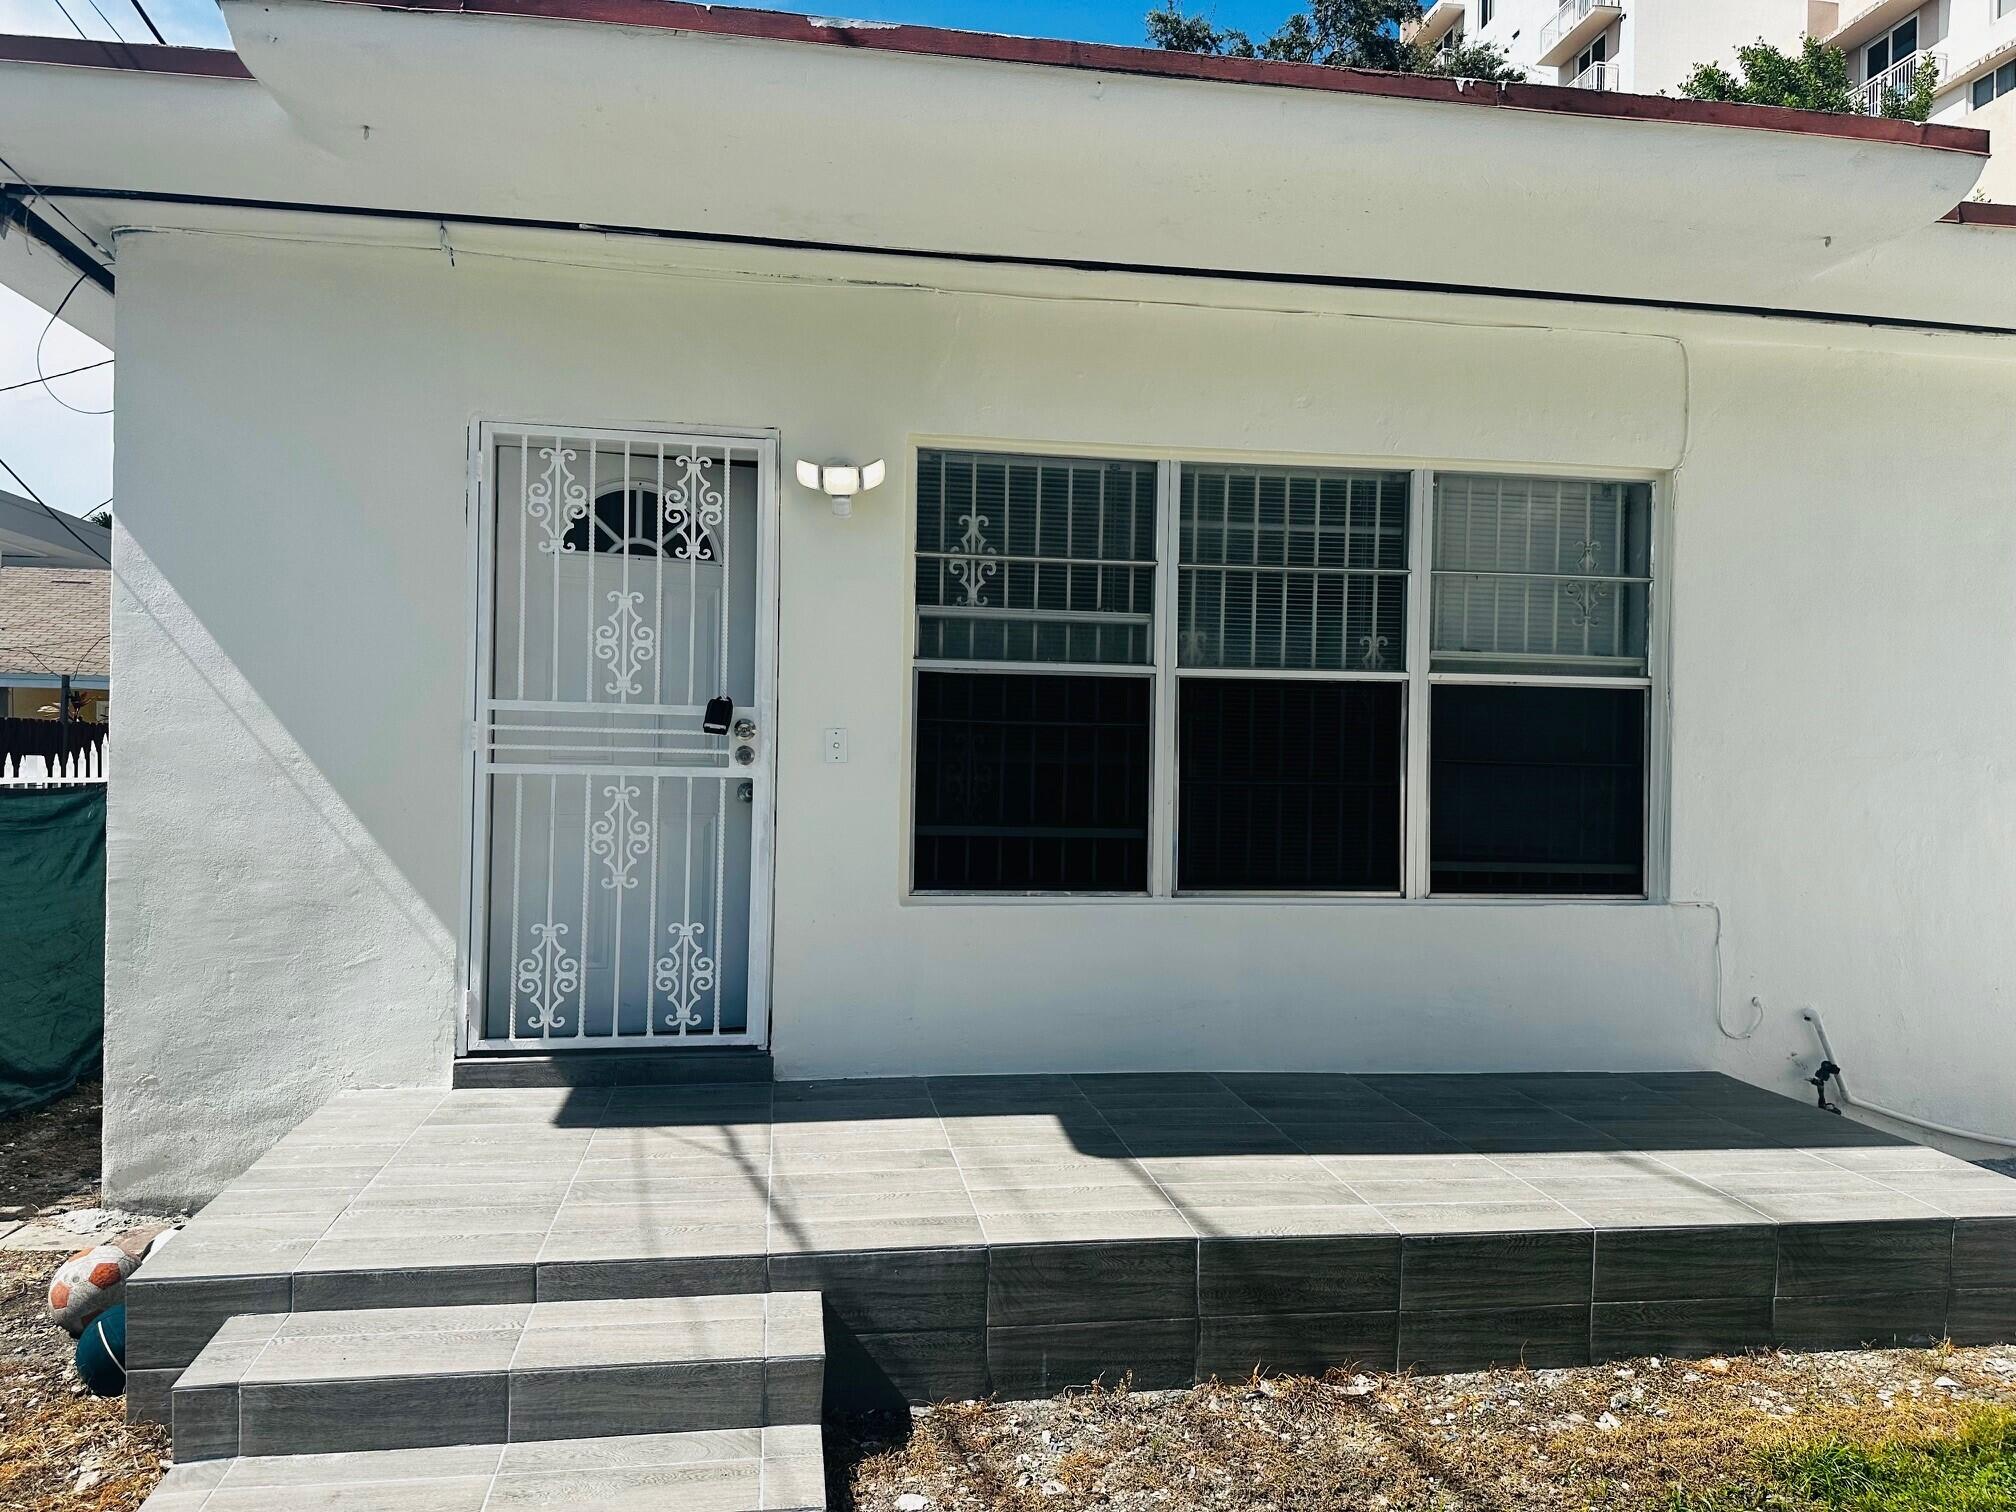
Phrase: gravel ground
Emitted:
{"points": [[1624, 1438]]}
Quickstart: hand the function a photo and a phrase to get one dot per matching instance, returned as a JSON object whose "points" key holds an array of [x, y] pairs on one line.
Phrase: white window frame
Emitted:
{"points": [[1165, 674]]}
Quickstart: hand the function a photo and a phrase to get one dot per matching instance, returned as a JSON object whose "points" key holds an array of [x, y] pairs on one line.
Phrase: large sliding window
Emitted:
{"points": [[1164, 677]]}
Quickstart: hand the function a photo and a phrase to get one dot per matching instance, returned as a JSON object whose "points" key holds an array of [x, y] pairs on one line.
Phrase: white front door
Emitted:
{"points": [[625, 696]]}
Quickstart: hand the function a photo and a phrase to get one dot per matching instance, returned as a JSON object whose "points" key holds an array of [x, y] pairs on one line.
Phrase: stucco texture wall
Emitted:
{"points": [[291, 622]]}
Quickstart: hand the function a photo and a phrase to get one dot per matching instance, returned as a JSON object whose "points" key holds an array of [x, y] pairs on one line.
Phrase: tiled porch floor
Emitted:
{"points": [[1210, 1217]]}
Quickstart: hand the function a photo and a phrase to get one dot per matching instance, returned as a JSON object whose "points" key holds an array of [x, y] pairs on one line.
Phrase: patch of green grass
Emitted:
{"points": [[1970, 1470]]}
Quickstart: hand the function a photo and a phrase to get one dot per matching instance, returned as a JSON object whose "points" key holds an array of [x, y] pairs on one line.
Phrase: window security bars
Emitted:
{"points": [[1292, 719]]}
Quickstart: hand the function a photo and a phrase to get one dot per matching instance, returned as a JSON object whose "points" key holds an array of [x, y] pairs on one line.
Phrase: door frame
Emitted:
{"points": [[472, 943]]}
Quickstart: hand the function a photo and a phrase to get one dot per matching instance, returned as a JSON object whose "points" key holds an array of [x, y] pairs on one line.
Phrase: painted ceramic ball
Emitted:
{"points": [[87, 1283], [101, 1352]]}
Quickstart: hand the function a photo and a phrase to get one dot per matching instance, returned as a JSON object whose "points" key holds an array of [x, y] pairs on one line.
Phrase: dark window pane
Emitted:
{"points": [[1984, 90], [1031, 783], [1538, 790], [1288, 786]]}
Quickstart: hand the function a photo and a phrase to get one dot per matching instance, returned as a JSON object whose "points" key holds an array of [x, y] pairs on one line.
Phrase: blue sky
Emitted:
{"points": [[66, 457]]}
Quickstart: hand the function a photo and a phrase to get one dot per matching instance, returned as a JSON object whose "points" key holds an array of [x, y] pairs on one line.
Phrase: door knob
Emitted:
{"points": [[745, 729]]}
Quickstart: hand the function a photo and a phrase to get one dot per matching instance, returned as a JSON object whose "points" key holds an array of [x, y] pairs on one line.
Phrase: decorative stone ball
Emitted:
{"points": [[87, 1283], [101, 1352]]}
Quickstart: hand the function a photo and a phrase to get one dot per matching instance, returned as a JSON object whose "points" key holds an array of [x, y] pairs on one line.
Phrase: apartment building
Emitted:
{"points": [[1651, 46], [1970, 43], [1635, 46]]}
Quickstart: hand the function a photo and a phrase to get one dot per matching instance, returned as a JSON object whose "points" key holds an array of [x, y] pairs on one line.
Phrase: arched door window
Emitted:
{"points": [[635, 519]]}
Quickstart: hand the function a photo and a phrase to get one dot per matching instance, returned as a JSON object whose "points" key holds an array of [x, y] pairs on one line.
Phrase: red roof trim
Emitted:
{"points": [[129, 57], [933, 41], [1981, 213]]}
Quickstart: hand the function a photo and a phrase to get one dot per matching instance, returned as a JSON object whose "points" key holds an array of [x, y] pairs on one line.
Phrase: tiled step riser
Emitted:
{"points": [[425, 1378], [330, 1417]]}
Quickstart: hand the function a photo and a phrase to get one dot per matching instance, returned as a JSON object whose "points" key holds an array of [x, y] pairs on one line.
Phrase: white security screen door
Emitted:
{"points": [[623, 767]]}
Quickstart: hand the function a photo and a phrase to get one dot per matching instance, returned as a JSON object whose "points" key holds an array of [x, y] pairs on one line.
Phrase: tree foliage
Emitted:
{"points": [[1337, 34], [1814, 78]]}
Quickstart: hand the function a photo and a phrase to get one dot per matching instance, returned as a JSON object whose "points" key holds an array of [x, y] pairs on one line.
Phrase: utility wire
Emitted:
{"points": [[116, 35], [8, 388], [71, 19], [39, 340], [149, 20], [55, 514]]}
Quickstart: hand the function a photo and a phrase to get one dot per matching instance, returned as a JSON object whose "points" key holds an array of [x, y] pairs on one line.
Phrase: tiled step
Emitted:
{"points": [[614, 1068], [428, 1377], [733, 1470]]}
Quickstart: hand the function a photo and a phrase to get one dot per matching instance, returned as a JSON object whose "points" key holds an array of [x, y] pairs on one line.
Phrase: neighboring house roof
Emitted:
{"points": [[31, 537], [55, 622]]}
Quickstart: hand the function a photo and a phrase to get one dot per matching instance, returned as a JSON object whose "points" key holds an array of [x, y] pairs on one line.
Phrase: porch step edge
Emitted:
{"points": [[770, 1469], [612, 1068]]}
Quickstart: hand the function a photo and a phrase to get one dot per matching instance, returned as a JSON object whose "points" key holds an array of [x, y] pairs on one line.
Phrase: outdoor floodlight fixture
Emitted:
{"points": [[840, 481]]}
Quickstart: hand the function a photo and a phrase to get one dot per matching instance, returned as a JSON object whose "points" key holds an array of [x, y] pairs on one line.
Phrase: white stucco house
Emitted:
{"points": [[1367, 573]]}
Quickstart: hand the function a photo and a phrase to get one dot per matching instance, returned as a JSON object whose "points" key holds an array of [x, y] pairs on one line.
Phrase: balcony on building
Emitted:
{"points": [[1599, 75], [1899, 78], [1574, 26], [1437, 22]]}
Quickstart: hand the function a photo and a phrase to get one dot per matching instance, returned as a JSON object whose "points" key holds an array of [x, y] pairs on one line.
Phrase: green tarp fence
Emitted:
{"points": [[52, 940]]}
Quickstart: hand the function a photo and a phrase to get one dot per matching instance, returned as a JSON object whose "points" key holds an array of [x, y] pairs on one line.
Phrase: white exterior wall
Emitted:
{"points": [[286, 831]]}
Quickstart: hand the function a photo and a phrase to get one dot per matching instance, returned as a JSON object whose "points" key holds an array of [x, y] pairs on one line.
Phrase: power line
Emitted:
{"points": [[44, 381], [55, 514], [149, 20], [71, 19], [116, 37], [56, 315]]}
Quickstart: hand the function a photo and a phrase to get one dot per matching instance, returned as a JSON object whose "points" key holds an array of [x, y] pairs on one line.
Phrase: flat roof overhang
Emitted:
{"points": [[727, 122]]}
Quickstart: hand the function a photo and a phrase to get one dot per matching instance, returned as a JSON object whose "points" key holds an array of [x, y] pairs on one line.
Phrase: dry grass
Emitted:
{"points": [[1747, 1432], [60, 1447]]}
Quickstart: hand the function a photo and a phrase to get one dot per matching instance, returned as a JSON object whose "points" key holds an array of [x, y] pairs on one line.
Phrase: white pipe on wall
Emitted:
{"points": [[1812, 1016]]}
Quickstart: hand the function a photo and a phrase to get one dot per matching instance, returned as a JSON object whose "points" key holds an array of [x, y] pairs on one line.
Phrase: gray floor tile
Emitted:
{"points": [[893, 1291], [1984, 1253], [1479, 1217], [1156, 1355], [169, 1322], [1087, 1283], [1069, 1228], [790, 1235], [1639, 1265], [1345, 1274], [1981, 1315], [1536, 1337], [1836, 1259], [396, 1285], [1495, 1270], [1283, 1222], [707, 1275], [205, 1422], [553, 1404], [1233, 1348], [322, 1417], [1881, 1319], [1679, 1326], [912, 1367]]}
